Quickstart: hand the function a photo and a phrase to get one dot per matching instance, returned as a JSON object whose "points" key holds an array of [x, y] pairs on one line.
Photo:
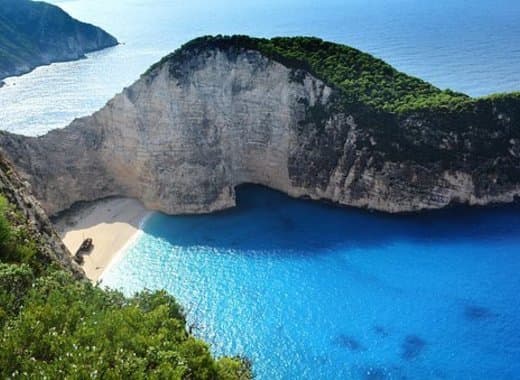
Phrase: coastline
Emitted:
{"points": [[29, 69], [113, 224], [118, 255]]}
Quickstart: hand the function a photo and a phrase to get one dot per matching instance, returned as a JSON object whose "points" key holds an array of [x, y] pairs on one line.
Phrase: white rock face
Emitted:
{"points": [[182, 143], [183, 147], [180, 147]]}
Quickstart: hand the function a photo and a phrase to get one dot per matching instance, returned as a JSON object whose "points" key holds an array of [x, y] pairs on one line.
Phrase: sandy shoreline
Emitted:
{"points": [[111, 223]]}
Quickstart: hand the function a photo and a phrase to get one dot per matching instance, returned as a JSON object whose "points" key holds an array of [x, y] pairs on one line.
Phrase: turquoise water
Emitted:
{"points": [[304, 290], [470, 46], [308, 291]]}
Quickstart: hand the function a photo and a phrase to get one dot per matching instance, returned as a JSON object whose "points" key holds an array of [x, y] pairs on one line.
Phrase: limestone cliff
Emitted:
{"points": [[34, 33], [213, 116]]}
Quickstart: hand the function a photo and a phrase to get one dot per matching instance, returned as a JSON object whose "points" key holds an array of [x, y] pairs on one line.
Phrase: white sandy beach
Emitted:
{"points": [[110, 223]]}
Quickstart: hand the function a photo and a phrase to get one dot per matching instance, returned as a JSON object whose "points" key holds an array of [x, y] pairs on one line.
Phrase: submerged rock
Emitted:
{"points": [[412, 347], [474, 313], [221, 112], [348, 342]]}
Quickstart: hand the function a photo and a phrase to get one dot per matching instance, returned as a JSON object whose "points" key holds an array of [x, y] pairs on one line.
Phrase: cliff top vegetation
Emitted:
{"points": [[360, 77]]}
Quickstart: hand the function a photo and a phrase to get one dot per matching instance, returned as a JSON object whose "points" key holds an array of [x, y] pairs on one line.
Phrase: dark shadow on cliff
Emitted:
{"points": [[267, 221]]}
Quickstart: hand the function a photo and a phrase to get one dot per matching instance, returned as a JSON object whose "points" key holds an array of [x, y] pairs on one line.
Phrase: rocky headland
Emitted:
{"points": [[310, 118], [34, 33]]}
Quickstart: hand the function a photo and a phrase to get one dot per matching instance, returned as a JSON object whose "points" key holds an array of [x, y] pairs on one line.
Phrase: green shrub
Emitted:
{"points": [[15, 281], [54, 326], [70, 328], [15, 243]]}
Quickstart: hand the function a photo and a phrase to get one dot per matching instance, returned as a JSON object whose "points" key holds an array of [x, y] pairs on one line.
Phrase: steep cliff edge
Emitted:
{"points": [[35, 33], [27, 215], [306, 117]]}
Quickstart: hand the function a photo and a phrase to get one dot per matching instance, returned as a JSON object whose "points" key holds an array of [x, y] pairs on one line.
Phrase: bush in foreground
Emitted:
{"points": [[54, 326]]}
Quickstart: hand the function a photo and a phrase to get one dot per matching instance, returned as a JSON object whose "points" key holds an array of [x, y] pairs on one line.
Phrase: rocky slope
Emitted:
{"points": [[28, 214], [35, 33], [219, 113]]}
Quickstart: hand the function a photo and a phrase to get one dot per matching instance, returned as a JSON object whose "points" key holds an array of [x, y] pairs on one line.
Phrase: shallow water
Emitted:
{"points": [[469, 46], [308, 291], [304, 290]]}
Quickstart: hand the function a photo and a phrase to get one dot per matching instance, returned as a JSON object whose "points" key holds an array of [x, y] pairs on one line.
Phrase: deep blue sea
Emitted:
{"points": [[471, 46], [307, 291]]}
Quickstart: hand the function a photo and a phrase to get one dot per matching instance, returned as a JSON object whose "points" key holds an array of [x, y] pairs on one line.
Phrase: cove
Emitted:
{"points": [[310, 291]]}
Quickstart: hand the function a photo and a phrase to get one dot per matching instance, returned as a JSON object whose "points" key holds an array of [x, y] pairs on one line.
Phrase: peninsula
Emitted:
{"points": [[310, 118], [34, 33]]}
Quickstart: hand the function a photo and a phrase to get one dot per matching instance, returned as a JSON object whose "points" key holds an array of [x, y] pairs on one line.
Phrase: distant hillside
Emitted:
{"points": [[36, 33]]}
